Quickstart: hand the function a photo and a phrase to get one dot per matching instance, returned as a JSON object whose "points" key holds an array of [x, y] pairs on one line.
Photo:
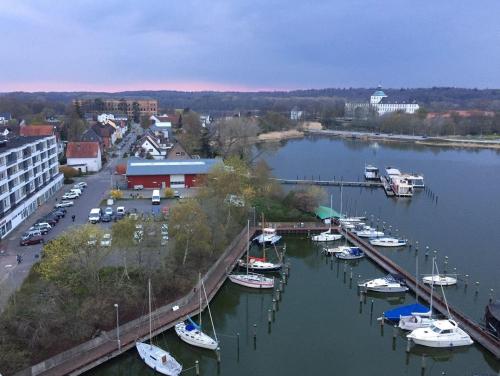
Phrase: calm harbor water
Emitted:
{"points": [[320, 327]]}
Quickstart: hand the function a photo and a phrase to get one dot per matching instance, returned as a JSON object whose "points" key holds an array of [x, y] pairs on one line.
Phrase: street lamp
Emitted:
{"points": [[118, 329]]}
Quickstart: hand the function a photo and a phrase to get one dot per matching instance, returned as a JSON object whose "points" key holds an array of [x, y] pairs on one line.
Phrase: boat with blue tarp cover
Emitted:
{"points": [[404, 311]]}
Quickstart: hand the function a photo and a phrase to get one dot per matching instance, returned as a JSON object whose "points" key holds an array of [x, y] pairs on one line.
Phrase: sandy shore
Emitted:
{"points": [[454, 144], [278, 136]]}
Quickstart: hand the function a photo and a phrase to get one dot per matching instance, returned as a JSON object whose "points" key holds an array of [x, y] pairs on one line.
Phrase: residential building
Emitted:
{"points": [[146, 107], [107, 133], [149, 145], [378, 104], [295, 114], [5, 117], [162, 174], [91, 136], [84, 156], [177, 151], [42, 130], [29, 176]]}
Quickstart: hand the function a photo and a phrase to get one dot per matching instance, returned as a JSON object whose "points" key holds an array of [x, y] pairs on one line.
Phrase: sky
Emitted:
{"points": [[114, 45]]}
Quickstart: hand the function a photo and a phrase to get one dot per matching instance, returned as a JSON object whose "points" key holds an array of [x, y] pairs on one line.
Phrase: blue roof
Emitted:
{"points": [[406, 310], [139, 166], [379, 93]]}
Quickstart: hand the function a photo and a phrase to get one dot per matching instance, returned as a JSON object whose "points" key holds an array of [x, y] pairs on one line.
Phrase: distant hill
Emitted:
{"points": [[436, 98]]}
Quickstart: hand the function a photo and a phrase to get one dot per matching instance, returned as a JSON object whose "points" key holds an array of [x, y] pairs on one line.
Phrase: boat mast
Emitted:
{"points": [[340, 200], [209, 312], [248, 241], [199, 287], [432, 282], [263, 239], [331, 212], [416, 278], [150, 322]]}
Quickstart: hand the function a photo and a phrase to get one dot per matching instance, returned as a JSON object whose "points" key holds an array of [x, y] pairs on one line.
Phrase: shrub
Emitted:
{"points": [[69, 172], [116, 194], [169, 193]]}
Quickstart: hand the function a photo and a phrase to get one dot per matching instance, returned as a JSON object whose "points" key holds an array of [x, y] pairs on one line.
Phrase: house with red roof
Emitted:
{"points": [[84, 156]]}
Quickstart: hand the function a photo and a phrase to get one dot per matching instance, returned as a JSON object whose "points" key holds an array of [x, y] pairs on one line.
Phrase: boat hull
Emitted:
{"points": [[326, 237], [385, 243], [443, 281], [256, 283], [195, 337], [394, 289], [442, 343], [261, 266]]}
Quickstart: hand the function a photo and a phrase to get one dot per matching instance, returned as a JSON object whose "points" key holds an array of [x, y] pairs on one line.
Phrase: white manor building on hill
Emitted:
{"points": [[380, 105]]}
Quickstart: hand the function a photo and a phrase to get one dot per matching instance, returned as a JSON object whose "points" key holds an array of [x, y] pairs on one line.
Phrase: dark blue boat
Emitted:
{"points": [[406, 310]]}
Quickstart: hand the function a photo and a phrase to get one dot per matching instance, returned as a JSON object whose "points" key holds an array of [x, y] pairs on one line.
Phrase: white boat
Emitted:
{"points": [[331, 251], [388, 242], [369, 233], [389, 283], [350, 253], [371, 173], [416, 181], [268, 236], [252, 280], [192, 333], [326, 236], [260, 265], [440, 280], [441, 333], [401, 187], [155, 357]]}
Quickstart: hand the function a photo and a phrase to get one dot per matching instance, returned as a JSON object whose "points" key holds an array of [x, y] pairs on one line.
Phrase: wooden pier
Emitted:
{"points": [[477, 332], [335, 183]]}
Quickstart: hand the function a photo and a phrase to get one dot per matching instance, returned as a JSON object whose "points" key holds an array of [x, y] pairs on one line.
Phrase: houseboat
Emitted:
{"points": [[417, 181], [371, 173], [401, 187]]}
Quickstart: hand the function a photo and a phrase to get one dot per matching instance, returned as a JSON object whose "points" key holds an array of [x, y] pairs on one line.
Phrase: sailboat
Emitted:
{"points": [[328, 235], [191, 332], [441, 333], [252, 280], [422, 319], [155, 357], [389, 283], [260, 264]]}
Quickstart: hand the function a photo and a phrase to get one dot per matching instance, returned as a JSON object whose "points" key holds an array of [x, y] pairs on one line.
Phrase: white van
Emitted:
{"points": [[155, 198], [95, 215], [78, 191]]}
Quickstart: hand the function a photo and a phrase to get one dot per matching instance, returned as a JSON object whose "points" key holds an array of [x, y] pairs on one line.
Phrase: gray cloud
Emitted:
{"points": [[255, 44]]}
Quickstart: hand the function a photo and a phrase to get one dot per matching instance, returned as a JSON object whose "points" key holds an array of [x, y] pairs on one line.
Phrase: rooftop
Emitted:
{"points": [[138, 166], [82, 149], [37, 130], [17, 142], [324, 212]]}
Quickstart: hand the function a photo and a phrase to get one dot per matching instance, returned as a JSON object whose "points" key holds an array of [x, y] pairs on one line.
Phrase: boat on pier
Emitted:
{"points": [[371, 173]]}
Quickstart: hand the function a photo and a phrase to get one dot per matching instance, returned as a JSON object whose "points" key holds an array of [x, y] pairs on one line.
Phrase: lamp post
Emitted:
{"points": [[118, 329]]}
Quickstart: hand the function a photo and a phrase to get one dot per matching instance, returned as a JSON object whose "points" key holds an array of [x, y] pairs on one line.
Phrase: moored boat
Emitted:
{"points": [[331, 251], [269, 236], [326, 236], [350, 253], [260, 264], [397, 313], [371, 173], [392, 283], [441, 333], [388, 242], [252, 280], [191, 333], [492, 318], [371, 233], [439, 280]]}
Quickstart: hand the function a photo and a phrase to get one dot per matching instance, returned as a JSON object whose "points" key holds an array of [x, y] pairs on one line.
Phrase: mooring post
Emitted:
{"points": [[197, 367], [408, 345], [477, 287], [466, 280], [423, 362], [254, 335], [217, 351], [281, 286], [275, 305], [238, 342], [371, 307], [278, 295], [350, 276], [269, 316]]}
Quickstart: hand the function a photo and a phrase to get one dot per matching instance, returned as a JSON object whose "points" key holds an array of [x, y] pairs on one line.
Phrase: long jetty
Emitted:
{"points": [[477, 332], [336, 183]]}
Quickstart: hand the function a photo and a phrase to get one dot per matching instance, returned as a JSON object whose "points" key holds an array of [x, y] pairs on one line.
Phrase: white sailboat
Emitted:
{"points": [[440, 280], [388, 242], [441, 333], [339, 249], [191, 332], [268, 236], [155, 357], [369, 233], [252, 280], [328, 235]]}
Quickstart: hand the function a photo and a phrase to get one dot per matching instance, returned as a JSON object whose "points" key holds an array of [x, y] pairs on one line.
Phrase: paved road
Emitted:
{"points": [[13, 274]]}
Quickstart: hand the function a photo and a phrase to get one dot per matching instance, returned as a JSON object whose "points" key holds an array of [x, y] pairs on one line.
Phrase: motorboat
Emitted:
{"points": [[158, 359], [416, 181], [401, 187], [332, 251], [260, 264], [351, 225], [252, 280], [350, 253], [268, 236], [441, 333], [155, 357], [391, 283], [388, 242], [492, 318], [371, 173], [439, 280], [371, 233], [191, 333], [326, 236]]}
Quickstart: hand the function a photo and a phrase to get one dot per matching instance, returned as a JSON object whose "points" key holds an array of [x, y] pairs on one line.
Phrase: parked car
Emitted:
{"points": [[51, 221], [106, 218], [35, 239], [138, 187], [106, 240], [80, 185], [95, 215], [77, 191], [50, 217], [30, 233], [65, 204], [44, 227], [92, 240], [69, 196], [108, 211], [59, 213], [120, 211]]}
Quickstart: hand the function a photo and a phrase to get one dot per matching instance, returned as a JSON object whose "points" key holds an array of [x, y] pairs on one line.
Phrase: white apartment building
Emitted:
{"points": [[29, 176]]}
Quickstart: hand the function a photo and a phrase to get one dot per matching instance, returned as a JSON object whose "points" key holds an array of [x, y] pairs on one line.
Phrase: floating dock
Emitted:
{"points": [[477, 332], [335, 183]]}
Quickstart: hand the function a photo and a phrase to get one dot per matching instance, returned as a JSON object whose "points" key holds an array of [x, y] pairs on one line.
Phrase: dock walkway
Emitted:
{"points": [[337, 183], [478, 333]]}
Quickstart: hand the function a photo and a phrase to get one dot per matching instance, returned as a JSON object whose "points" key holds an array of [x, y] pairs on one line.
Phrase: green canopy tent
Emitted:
{"points": [[324, 212]]}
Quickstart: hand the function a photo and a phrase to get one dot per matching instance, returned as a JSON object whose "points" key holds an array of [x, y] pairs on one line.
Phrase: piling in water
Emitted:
{"points": [[197, 367]]}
